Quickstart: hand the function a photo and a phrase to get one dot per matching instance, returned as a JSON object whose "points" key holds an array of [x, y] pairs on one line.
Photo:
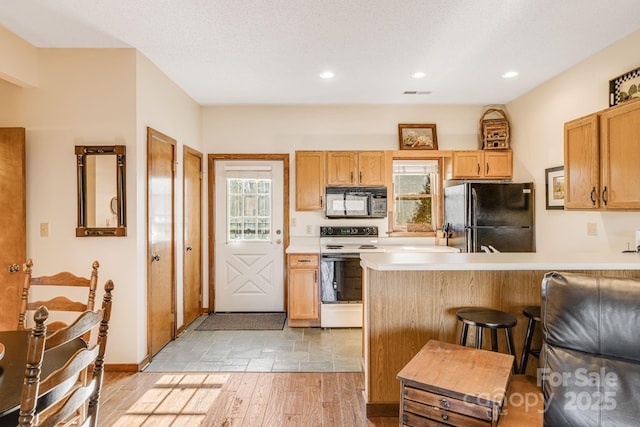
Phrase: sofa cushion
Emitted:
{"points": [[589, 363]]}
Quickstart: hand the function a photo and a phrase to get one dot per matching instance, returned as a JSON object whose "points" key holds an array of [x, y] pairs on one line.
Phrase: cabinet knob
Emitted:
{"points": [[445, 403], [592, 196], [604, 195], [14, 268]]}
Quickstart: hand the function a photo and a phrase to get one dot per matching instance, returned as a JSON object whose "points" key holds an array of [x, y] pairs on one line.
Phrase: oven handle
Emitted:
{"points": [[339, 257]]}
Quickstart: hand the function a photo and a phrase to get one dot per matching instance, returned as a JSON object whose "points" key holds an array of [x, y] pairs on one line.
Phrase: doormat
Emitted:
{"points": [[243, 321]]}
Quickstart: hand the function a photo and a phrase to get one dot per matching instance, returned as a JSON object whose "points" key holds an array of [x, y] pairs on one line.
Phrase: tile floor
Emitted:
{"points": [[288, 350]]}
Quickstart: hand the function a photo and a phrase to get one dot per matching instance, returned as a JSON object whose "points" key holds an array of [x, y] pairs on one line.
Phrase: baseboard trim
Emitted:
{"points": [[383, 410], [121, 367]]}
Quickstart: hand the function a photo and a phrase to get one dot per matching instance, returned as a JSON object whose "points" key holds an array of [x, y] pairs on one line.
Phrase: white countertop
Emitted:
{"points": [[415, 261]]}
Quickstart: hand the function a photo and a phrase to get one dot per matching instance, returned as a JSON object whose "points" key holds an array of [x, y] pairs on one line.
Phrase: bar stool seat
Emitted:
{"points": [[532, 312], [490, 319]]}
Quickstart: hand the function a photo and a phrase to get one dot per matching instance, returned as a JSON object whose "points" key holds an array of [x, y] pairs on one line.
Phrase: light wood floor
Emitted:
{"points": [[235, 399]]}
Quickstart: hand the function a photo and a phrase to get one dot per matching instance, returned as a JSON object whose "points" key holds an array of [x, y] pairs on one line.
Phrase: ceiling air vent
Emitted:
{"points": [[417, 92]]}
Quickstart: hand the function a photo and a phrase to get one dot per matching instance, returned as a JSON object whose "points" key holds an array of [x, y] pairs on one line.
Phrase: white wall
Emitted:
{"points": [[537, 138], [84, 97], [285, 129]]}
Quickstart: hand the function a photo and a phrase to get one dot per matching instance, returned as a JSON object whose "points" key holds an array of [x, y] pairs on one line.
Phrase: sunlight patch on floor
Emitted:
{"points": [[175, 400]]}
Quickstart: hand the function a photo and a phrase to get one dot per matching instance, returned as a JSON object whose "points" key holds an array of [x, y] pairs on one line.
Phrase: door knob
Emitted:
{"points": [[189, 248], [278, 241], [155, 257]]}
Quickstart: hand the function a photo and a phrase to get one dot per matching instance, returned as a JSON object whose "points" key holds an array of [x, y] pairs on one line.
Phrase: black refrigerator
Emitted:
{"points": [[490, 217]]}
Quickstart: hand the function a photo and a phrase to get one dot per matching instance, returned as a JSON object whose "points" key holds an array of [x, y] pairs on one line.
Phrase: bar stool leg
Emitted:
{"points": [[494, 340], [511, 348], [527, 345], [478, 337], [463, 336]]}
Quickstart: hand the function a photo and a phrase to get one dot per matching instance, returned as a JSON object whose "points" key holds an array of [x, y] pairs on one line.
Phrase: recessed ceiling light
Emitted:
{"points": [[419, 75], [509, 74], [326, 74]]}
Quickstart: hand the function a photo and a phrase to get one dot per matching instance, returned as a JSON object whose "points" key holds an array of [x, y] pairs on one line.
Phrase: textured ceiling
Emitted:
{"points": [[271, 52]]}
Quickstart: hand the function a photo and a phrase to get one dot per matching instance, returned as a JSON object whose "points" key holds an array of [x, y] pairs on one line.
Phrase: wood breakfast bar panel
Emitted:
{"points": [[406, 307]]}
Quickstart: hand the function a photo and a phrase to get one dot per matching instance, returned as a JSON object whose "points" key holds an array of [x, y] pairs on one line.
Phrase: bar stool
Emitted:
{"points": [[533, 314], [491, 319]]}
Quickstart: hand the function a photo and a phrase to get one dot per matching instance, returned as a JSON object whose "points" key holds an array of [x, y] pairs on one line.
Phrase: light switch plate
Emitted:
{"points": [[44, 229], [592, 229]]}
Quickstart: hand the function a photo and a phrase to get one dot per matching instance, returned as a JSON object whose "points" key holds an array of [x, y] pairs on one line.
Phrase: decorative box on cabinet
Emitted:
{"points": [[355, 168], [304, 291], [447, 384], [601, 156], [479, 164], [310, 180]]}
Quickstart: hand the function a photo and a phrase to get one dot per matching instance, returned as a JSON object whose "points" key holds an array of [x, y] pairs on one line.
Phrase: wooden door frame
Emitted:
{"points": [[211, 158], [186, 150], [152, 133]]}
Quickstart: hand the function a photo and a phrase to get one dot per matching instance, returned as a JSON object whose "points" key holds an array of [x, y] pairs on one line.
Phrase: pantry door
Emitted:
{"points": [[249, 236]]}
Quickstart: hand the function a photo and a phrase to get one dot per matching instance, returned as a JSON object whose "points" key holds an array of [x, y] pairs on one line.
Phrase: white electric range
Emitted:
{"points": [[341, 274]]}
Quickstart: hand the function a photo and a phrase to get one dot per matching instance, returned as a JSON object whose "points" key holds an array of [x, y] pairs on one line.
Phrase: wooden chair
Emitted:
{"points": [[60, 303], [67, 395]]}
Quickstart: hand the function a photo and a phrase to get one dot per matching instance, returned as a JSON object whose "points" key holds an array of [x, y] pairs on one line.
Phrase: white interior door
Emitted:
{"points": [[249, 250]]}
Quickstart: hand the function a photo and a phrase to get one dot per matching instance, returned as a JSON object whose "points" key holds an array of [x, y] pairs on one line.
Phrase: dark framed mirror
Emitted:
{"points": [[101, 190]]}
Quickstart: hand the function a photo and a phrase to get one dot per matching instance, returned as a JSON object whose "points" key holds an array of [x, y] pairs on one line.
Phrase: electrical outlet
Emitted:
{"points": [[592, 229], [309, 229], [44, 229]]}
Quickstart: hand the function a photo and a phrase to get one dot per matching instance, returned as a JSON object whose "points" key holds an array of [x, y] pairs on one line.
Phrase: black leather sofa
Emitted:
{"points": [[590, 358]]}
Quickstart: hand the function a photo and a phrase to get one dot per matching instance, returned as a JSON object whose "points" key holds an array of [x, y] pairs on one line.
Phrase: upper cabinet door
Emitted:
{"points": [[371, 168], [620, 157], [582, 163], [341, 168], [310, 180], [498, 164], [467, 164]]}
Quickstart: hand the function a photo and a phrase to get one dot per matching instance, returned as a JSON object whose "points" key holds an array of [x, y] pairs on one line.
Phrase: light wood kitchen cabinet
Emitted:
{"points": [[310, 180], [601, 158], [582, 163], [304, 290], [357, 168], [482, 164], [620, 157]]}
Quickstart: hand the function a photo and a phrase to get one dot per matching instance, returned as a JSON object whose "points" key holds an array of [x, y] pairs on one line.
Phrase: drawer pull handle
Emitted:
{"points": [[445, 403], [445, 417]]}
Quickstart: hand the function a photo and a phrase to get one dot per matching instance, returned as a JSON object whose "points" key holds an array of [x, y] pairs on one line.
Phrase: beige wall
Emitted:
{"points": [[22, 67], [85, 97], [538, 118], [285, 129]]}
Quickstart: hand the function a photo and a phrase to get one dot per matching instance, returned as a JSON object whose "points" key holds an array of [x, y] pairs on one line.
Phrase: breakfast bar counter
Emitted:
{"points": [[411, 298]]}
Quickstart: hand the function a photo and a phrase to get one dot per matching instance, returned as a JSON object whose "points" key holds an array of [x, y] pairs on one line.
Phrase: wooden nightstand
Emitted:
{"points": [[447, 384]]}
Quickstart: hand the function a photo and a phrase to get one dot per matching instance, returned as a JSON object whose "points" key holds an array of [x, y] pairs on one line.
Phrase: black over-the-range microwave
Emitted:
{"points": [[356, 202]]}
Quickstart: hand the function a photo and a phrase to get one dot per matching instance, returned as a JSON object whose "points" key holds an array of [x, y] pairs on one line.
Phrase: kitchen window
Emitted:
{"points": [[416, 190]]}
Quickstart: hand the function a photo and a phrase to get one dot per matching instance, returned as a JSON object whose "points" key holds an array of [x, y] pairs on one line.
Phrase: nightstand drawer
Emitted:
{"points": [[441, 415], [468, 407]]}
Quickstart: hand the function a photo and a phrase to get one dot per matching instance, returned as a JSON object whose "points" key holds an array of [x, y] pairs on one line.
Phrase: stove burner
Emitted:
{"points": [[334, 246], [368, 247]]}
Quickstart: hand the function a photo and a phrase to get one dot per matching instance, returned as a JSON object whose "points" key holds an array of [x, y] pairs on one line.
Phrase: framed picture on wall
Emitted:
{"points": [[417, 137], [554, 185], [624, 88]]}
